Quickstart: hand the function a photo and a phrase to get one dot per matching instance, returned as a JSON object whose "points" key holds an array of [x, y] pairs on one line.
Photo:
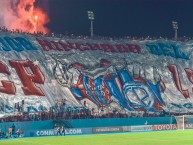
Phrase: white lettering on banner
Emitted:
{"points": [[141, 128], [46, 133], [126, 128], [164, 127], [73, 131], [53, 132], [107, 129]]}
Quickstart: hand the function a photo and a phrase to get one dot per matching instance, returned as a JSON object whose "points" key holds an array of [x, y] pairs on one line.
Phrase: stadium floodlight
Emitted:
{"points": [[175, 27], [91, 18]]}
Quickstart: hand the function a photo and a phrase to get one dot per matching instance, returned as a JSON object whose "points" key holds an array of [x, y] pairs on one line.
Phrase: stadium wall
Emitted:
{"points": [[40, 130], [87, 123], [84, 123]]}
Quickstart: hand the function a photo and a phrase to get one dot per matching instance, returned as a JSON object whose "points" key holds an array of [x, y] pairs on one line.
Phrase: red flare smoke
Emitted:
{"points": [[23, 15]]}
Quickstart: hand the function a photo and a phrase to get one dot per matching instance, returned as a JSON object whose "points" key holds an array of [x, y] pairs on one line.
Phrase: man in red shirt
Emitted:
{"points": [[19, 132]]}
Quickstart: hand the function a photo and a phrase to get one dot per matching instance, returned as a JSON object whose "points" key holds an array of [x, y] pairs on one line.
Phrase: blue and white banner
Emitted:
{"points": [[130, 76]]}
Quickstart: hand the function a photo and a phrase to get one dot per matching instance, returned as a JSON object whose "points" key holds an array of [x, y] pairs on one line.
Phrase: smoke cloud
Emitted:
{"points": [[23, 15]]}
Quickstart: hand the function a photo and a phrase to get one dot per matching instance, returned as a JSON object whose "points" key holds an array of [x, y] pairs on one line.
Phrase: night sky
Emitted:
{"points": [[119, 18]]}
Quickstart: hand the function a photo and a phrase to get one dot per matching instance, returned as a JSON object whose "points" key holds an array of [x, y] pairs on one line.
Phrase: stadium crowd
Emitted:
{"points": [[72, 36], [61, 111]]}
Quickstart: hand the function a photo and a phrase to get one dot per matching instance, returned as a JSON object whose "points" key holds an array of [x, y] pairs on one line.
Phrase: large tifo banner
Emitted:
{"points": [[152, 76]]}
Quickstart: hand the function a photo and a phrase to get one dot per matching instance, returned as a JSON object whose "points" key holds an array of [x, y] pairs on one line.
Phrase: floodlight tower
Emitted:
{"points": [[91, 18], [175, 27]]}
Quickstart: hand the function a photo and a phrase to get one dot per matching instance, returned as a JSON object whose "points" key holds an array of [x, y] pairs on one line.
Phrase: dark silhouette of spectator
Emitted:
{"points": [[62, 130], [13, 128]]}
